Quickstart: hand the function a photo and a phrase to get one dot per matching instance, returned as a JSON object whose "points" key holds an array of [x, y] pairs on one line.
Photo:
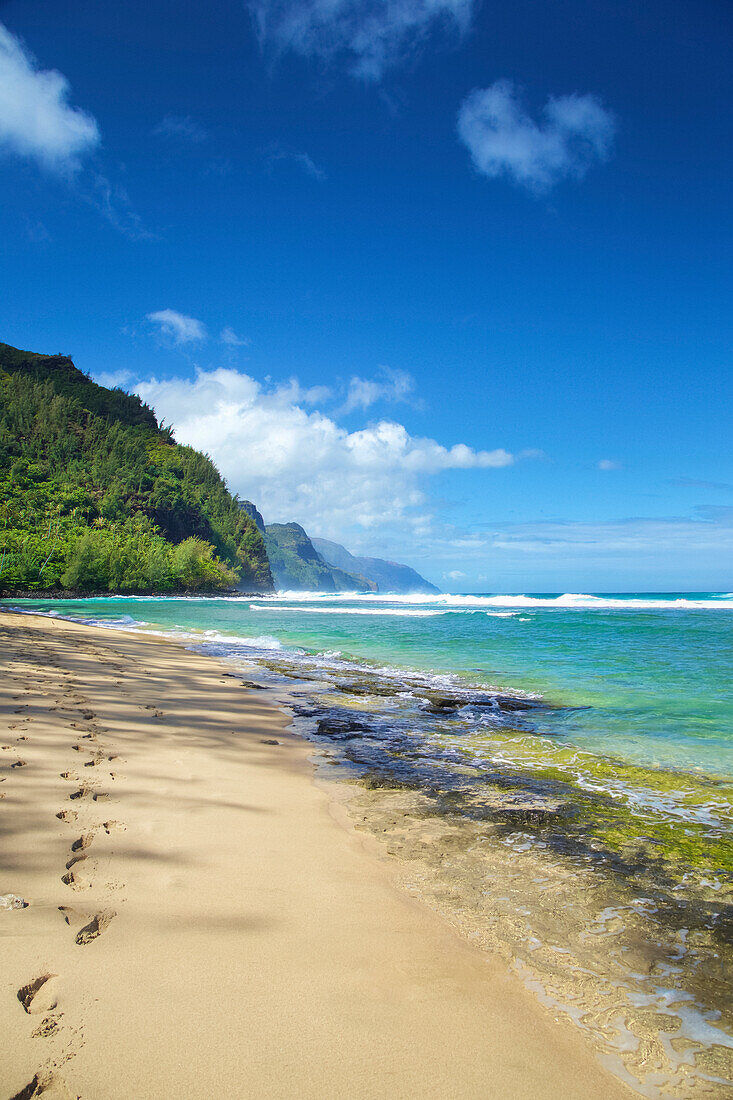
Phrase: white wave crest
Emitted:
{"points": [[566, 600], [406, 612]]}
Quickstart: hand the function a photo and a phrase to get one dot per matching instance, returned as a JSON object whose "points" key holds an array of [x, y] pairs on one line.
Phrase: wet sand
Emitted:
{"points": [[203, 920]]}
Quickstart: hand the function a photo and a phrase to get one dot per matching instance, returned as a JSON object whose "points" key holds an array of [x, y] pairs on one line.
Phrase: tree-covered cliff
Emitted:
{"points": [[297, 565], [95, 495], [387, 576]]}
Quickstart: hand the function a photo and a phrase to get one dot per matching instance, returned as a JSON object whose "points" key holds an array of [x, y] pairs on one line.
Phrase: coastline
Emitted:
{"points": [[207, 926]]}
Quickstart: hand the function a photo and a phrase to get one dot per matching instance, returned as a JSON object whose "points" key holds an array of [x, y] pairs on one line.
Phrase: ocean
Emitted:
{"points": [[571, 757]]}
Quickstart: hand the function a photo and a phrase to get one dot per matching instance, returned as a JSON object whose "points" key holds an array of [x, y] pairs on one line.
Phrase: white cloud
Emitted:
{"points": [[621, 538], [671, 552], [454, 575], [392, 385], [177, 326], [301, 160], [297, 463], [504, 140], [609, 464], [36, 119], [370, 35], [113, 203], [113, 379], [181, 126], [229, 337]]}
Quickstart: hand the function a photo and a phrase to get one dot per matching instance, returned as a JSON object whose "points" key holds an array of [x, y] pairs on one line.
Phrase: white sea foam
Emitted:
{"points": [[580, 600], [411, 612]]}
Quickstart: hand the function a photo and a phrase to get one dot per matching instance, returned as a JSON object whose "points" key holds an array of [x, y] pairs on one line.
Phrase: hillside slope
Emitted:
{"points": [[95, 495], [297, 565], [389, 576]]}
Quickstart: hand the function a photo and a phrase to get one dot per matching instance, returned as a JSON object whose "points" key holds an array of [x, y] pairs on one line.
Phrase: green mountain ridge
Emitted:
{"points": [[304, 563], [96, 496], [297, 566], [388, 576]]}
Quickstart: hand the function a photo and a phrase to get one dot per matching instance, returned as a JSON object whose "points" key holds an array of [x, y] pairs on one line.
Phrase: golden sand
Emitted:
{"points": [[200, 925]]}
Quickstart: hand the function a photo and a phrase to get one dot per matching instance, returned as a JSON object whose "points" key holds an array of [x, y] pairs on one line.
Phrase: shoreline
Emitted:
{"points": [[207, 926]]}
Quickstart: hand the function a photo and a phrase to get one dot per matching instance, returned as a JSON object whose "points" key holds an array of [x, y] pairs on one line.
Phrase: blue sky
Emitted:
{"points": [[448, 281]]}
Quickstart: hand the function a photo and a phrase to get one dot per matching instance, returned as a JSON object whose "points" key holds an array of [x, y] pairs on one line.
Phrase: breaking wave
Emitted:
{"points": [[580, 600]]}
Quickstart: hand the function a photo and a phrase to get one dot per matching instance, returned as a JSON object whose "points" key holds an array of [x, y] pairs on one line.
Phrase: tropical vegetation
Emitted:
{"points": [[96, 496]]}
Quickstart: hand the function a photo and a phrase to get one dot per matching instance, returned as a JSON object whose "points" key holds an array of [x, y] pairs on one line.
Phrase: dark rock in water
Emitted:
{"points": [[305, 710], [443, 704], [383, 780], [511, 807], [342, 729], [367, 687], [512, 702], [439, 703], [527, 815]]}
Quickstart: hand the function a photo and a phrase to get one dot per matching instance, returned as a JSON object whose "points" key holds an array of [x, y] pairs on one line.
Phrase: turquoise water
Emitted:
{"points": [[578, 751], [654, 674]]}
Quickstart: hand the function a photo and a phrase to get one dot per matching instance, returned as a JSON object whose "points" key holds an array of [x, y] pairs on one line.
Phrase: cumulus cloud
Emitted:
{"points": [[392, 385], [369, 35], [272, 446], [183, 127], [504, 140], [36, 118], [177, 326], [609, 464]]}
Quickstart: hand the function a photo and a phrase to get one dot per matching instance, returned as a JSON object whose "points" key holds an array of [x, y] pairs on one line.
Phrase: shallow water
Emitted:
{"points": [[555, 772]]}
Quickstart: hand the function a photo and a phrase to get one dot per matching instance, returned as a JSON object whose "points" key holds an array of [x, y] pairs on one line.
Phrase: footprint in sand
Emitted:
{"points": [[71, 915], [82, 842], [89, 732], [96, 927], [40, 995], [87, 793], [67, 815], [18, 764], [99, 758], [44, 1083], [73, 877], [156, 713], [48, 1026]]}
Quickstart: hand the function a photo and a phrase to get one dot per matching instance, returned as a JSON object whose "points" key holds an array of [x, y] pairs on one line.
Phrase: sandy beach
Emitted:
{"points": [[202, 922]]}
